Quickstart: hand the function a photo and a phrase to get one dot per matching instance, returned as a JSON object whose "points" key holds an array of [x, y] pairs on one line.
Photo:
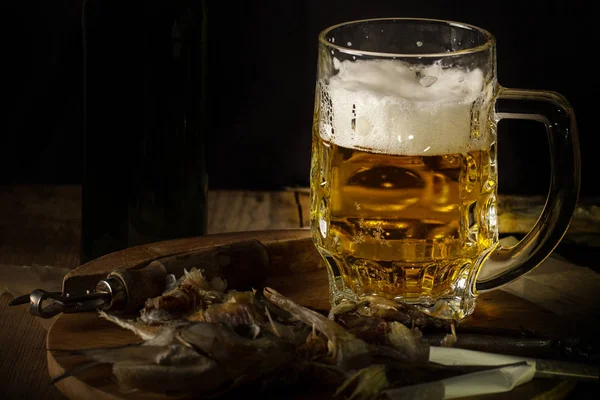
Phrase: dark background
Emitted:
{"points": [[261, 70]]}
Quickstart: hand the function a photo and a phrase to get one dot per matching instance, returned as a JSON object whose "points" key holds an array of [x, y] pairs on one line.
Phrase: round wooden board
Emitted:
{"points": [[295, 272]]}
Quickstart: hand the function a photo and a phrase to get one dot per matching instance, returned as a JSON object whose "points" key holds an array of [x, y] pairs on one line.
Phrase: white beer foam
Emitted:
{"points": [[390, 107]]}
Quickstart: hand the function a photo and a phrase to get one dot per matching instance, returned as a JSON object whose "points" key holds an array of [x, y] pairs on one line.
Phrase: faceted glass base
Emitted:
{"points": [[447, 294]]}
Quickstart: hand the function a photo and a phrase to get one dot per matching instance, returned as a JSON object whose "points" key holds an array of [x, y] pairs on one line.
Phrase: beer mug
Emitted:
{"points": [[404, 176]]}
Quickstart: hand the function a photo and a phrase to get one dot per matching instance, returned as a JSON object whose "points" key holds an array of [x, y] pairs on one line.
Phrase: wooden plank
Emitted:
{"points": [[303, 200], [24, 374], [40, 225], [236, 210], [517, 214]]}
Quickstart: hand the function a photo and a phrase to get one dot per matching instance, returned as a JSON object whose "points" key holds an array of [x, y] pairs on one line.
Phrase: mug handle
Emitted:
{"points": [[554, 111]]}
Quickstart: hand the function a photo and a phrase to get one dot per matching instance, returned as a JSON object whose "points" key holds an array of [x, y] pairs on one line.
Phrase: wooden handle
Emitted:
{"points": [[276, 241], [141, 284], [243, 258], [243, 264]]}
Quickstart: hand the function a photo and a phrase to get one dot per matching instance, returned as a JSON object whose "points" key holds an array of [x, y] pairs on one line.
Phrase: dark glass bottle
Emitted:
{"points": [[144, 169]]}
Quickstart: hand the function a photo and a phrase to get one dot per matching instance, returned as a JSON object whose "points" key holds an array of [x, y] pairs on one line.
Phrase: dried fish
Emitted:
{"points": [[241, 331], [388, 336], [389, 310], [408, 342], [134, 355], [369, 329], [220, 342], [153, 335], [189, 294], [144, 331], [344, 346], [237, 308], [198, 338], [314, 347], [174, 354], [450, 339], [191, 357]]}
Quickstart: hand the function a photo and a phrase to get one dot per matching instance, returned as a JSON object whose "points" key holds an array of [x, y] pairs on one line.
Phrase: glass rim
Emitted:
{"points": [[490, 42]]}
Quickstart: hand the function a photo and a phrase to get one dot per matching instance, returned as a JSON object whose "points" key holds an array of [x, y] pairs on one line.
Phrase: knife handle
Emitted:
{"points": [[131, 288]]}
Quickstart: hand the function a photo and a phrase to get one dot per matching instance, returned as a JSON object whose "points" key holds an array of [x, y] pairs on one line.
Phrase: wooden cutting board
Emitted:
{"points": [[292, 266]]}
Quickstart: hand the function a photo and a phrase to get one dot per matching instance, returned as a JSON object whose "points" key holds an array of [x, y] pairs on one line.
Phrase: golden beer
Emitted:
{"points": [[404, 184], [407, 227]]}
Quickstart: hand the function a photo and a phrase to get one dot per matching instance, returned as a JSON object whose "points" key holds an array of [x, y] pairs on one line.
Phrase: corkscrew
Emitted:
{"points": [[122, 290]]}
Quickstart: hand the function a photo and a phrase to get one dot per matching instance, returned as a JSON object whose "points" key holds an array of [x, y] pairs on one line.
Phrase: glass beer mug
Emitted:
{"points": [[404, 174]]}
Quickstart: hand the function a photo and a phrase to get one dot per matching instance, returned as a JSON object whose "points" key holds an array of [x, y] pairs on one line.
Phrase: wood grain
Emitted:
{"points": [[90, 273], [517, 214], [296, 268], [23, 361], [40, 225], [235, 211], [310, 288]]}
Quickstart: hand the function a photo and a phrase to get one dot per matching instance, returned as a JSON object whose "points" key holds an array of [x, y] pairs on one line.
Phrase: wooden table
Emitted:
{"points": [[40, 225]]}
